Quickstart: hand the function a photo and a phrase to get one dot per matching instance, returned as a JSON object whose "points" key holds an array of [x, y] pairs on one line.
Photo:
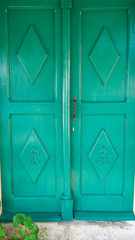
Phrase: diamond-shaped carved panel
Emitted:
{"points": [[32, 54], [102, 156], [34, 156], [104, 56]]}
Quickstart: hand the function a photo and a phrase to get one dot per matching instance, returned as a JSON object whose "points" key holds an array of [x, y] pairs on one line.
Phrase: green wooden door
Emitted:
{"points": [[103, 136], [51, 51], [31, 119]]}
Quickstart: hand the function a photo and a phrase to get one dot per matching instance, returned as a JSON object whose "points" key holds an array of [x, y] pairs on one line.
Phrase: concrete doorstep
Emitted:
{"points": [[83, 230]]}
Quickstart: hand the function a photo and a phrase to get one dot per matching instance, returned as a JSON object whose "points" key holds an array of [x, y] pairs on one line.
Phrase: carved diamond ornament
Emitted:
{"points": [[102, 156], [34, 156], [104, 56], [32, 54]]}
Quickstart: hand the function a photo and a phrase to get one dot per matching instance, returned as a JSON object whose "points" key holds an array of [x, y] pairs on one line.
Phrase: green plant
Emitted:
{"points": [[27, 229], [2, 234]]}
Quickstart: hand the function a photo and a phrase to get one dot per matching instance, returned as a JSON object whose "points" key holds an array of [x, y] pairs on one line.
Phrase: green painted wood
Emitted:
{"points": [[31, 109], [93, 45], [66, 3], [103, 107], [37, 217], [67, 201], [27, 108], [47, 4], [66, 100], [103, 137], [102, 216], [103, 4]]}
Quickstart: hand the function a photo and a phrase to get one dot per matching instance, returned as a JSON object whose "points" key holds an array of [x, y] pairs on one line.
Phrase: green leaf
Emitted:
{"points": [[21, 232], [33, 237], [26, 238], [2, 234], [19, 218], [14, 238], [15, 224], [34, 229], [28, 222], [25, 231]]}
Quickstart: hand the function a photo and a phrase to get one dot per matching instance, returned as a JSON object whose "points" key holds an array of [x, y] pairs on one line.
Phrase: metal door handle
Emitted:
{"points": [[74, 116]]}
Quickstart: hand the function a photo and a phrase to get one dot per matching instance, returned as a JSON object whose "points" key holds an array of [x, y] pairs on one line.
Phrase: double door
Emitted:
{"points": [[67, 109]]}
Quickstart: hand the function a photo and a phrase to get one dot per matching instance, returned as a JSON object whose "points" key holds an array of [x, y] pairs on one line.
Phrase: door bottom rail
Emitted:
{"points": [[104, 216]]}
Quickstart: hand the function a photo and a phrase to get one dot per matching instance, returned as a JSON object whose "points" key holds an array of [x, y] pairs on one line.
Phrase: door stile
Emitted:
{"points": [[66, 202], [130, 123], [4, 142], [1, 86]]}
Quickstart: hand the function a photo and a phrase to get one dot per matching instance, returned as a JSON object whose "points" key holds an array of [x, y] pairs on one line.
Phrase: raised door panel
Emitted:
{"points": [[104, 55], [103, 154], [33, 155], [31, 43]]}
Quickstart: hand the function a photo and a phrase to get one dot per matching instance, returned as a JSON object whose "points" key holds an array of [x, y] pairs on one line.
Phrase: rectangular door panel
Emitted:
{"points": [[31, 45], [104, 55], [33, 155], [103, 155]]}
